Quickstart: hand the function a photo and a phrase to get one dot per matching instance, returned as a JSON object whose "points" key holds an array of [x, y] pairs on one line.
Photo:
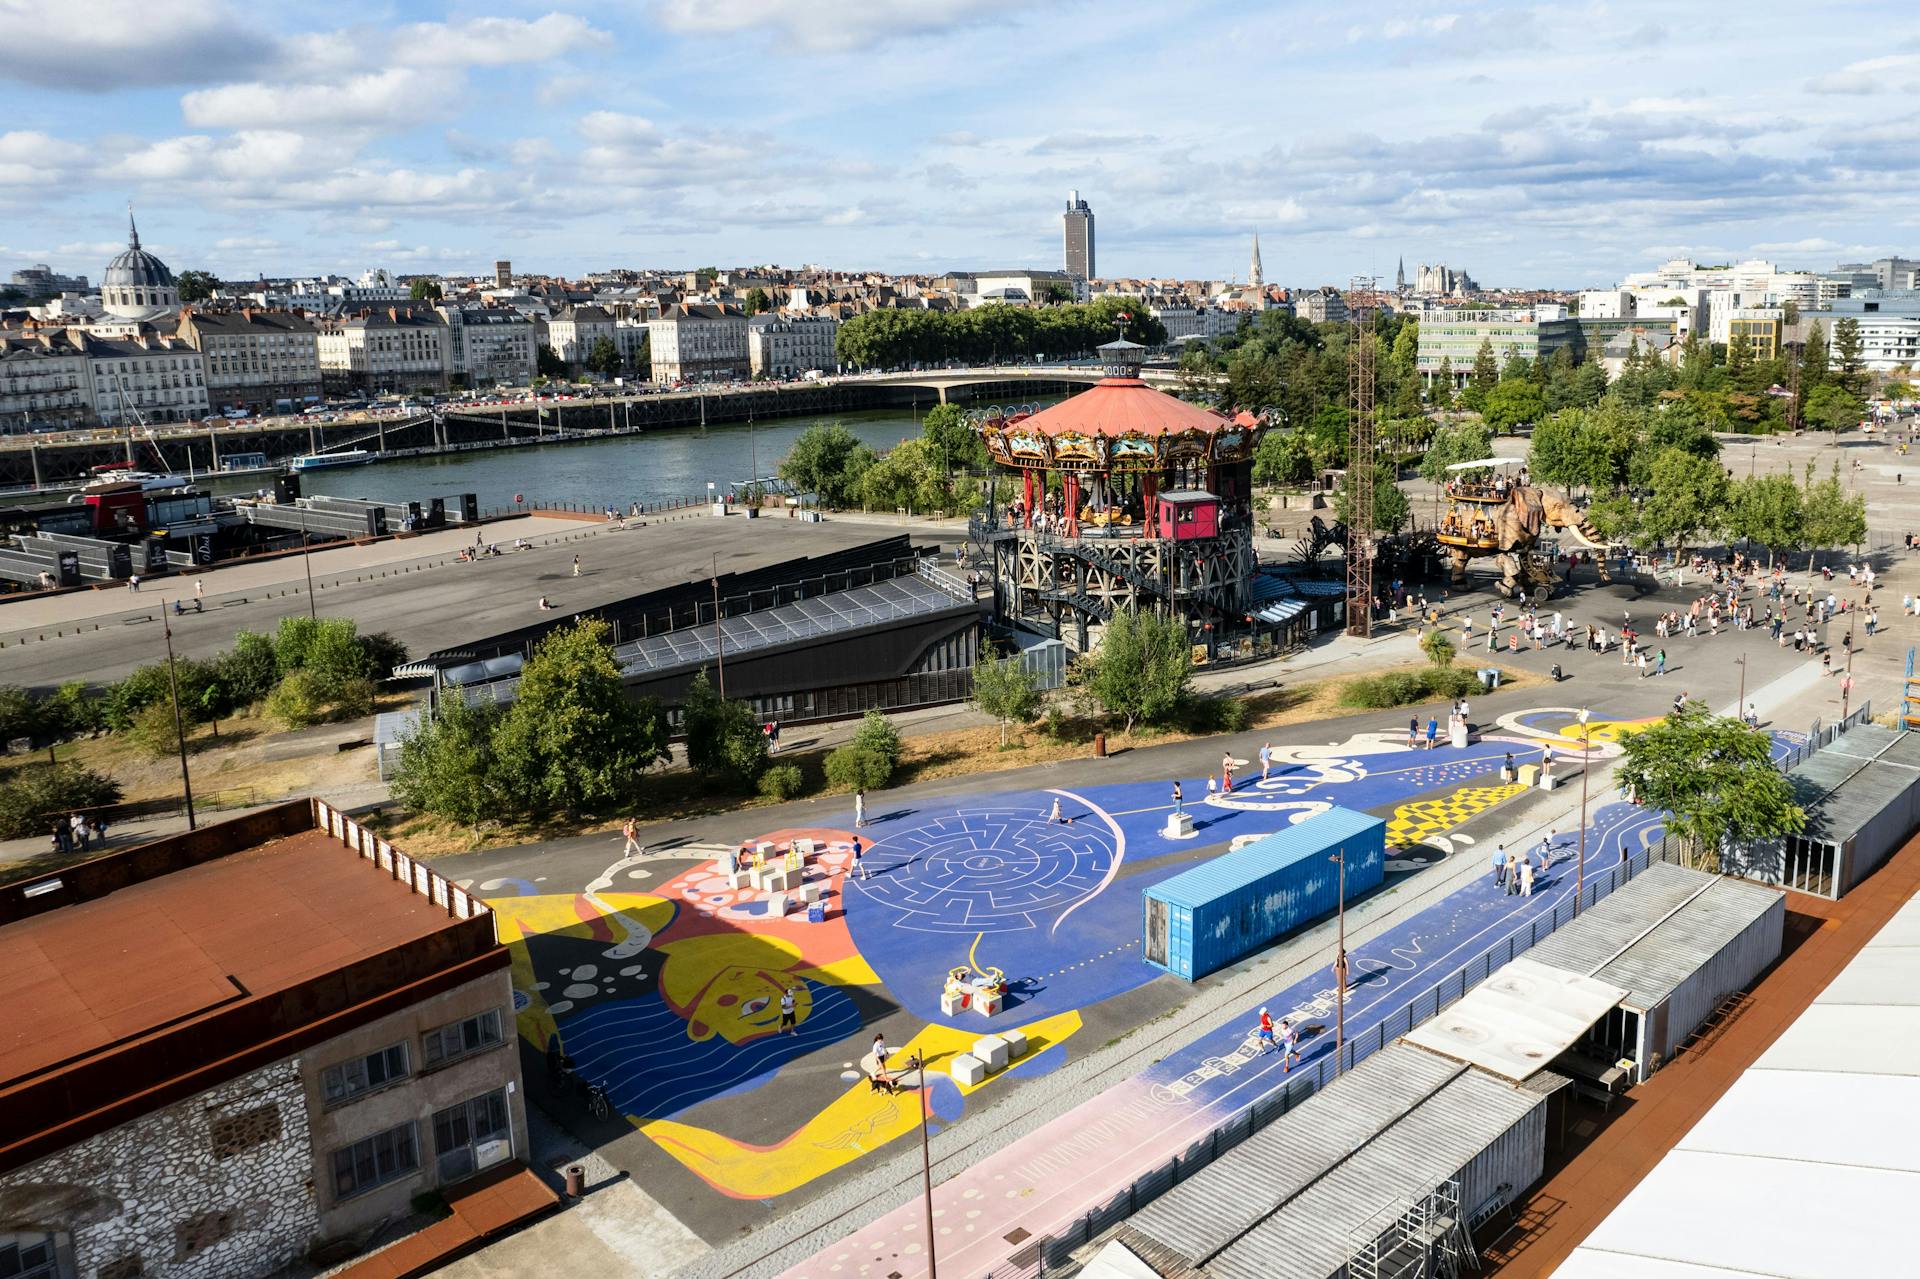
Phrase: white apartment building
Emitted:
{"points": [[1179, 319], [785, 346], [255, 359], [44, 382], [395, 349], [145, 378], [630, 335], [1889, 328], [1752, 283], [573, 330], [489, 345], [699, 342]]}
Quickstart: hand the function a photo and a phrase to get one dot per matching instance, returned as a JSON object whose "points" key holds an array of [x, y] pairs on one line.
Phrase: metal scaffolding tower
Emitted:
{"points": [[1360, 456], [1421, 1239]]}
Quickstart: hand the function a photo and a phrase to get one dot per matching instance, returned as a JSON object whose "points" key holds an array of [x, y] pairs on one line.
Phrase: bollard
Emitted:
{"points": [[1100, 745]]}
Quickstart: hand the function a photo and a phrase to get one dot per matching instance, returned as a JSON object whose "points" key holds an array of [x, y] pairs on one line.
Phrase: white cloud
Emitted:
{"points": [[98, 46], [475, 42], [1897, 72], [838, 27], [395, 99]]}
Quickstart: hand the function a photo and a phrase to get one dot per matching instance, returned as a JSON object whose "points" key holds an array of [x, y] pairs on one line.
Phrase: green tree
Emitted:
{"points": [[827, 460], [1689, 498], [1832, 407], [1004, 688], [723, 737], [1390, 509], [424, 290], [1282, 458], [1141, 670], [549, 364], [34, 796], [1814, 359], [1441, 392], [908, 477], [1852, 372], [1460, 442], [1485, 376], [1438, 648], [757, 301], [604, 358], [1715, 778], [448, 766], [196, 286], [1832, 517], [1513, 403], [573, 739], [951, 437], [1769, 510]]}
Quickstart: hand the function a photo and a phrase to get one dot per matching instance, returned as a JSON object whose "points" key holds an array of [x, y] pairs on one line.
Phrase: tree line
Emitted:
{"points": [[991, 334]]}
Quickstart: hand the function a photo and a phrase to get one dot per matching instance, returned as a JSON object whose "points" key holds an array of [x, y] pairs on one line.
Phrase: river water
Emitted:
{"points": [[656, 467]]}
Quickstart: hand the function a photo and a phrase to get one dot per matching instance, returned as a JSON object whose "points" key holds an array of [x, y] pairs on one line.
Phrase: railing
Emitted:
{"points": [[418, 876], [1052, 1254]]}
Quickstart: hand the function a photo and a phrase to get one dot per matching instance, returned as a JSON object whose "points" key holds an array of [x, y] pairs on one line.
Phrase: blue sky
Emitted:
{"points": [[1528, 145]]}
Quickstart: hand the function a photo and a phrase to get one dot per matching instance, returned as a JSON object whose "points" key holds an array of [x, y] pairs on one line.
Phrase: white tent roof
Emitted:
{"points": [[1806, 1167], [1517, 1021], [1115, 1261], [1484, 463]]}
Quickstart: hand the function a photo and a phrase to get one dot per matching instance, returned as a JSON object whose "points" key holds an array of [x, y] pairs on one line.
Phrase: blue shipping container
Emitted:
{"points": [[1205, 918]]}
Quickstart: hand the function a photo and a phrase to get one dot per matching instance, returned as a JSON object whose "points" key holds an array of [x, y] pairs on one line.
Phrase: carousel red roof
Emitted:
{"points": [[1123, 406]]}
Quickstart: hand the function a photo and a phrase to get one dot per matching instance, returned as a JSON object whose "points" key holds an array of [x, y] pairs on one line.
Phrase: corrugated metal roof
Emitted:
{"points": [[1849, 782], [1210, 880], [1313, 1235], [1520, 1018], [1687, 917], [1882, 745], [1281, 611], [1210, 1210]]}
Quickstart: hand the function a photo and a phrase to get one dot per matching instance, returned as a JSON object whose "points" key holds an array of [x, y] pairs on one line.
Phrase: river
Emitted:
{"points": [[656, 467]]}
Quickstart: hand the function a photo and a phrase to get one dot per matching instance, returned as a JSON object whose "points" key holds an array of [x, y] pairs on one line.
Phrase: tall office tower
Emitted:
{"points": [[1079, 233], [503, 275]]}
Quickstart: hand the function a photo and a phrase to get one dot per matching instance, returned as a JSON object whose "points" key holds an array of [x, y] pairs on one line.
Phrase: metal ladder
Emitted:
{"points": [[1424, 1238]]}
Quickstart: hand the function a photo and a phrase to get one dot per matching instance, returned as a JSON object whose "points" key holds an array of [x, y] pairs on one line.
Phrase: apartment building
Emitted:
{"points": [[781, 345], [699, 342], [255, 359], [392, 349], [44, 382], [489, 345]]}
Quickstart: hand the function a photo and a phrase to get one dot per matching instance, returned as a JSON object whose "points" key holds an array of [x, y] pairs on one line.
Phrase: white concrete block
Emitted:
{"points": [[968, 1071], [950, 1004], [992, 1050], [1179, 826], [1016, 1042], [740, 878], [986, 1005]]}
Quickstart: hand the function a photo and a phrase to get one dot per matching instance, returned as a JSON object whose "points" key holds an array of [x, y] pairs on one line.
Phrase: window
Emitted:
{"points": [[351, 1079], [454, 1041], [379, 1159], [28, 1256], [459, 1131]]}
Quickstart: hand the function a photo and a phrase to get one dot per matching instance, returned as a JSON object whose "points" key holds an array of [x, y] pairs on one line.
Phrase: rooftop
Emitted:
{"points": [[1124, 406]]}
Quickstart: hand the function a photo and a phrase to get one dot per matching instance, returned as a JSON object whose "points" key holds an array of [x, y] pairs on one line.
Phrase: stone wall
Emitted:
{"points": [[218, 1186]]}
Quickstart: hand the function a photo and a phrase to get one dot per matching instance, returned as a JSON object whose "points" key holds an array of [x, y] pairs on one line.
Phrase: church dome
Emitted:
{"points": [[137, 284]]}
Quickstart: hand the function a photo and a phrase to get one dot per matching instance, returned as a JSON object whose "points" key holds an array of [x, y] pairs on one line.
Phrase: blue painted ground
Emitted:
{"points": [[1056, 906]]}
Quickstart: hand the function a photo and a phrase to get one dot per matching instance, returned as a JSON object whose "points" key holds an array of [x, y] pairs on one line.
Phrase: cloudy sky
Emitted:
{"points": [[1556, 145]]}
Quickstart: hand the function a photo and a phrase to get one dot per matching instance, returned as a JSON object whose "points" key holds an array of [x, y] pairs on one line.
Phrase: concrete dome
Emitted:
{"points": [[137, 284]]}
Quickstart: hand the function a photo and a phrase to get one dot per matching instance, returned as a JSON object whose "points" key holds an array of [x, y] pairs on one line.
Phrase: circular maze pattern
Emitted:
{"points": [[988, 870]]}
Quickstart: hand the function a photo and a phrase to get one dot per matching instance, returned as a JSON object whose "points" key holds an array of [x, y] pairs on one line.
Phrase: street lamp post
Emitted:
{"points": [[306, 562], [719, 636], [1340, 973], [921, 1097], [179, 727], [1740, 707], [1586, 764]]}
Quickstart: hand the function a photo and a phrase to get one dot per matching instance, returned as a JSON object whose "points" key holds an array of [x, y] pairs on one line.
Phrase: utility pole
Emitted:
{"points": [[921, 1097], [179, 728], [306, 561], [1340, 973], [1586, 764], [1740, 707], [719, 636]]}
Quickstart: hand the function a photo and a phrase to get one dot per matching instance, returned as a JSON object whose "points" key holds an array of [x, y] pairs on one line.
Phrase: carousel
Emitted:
{"points": [[1124, 497]]}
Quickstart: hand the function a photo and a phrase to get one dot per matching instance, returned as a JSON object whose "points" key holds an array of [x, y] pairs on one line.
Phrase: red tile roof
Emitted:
{"points": [[1124, 406]]}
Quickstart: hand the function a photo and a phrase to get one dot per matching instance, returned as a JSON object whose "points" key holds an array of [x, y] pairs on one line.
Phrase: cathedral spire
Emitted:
{"points": [[1400, 277], [1254, 277], [133, 232]]}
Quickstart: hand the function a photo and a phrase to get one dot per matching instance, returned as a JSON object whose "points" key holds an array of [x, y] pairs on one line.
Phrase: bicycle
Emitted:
{"points": [[598, 1104]]}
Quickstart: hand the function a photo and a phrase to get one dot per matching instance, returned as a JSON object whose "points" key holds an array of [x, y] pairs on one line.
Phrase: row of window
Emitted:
{"points": [[458, 1133], [440, 1046]]}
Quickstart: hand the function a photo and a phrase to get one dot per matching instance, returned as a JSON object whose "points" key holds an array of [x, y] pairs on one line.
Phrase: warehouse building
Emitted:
{"points": [[1862, 797], [228, 1049]]}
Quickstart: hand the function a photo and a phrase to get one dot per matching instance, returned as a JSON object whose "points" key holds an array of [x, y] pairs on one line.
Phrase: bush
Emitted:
{"points": [[296, 701], [1055, 724], [851, 767], [1214, 715], [74, 709], [21, 714], [31, 801], [782, 781], [248, 670], [877, 736], [352, 698], [1451, 681], [383, 653], [1378, 692], [153, 732], [448, 766], [1438, 648]]}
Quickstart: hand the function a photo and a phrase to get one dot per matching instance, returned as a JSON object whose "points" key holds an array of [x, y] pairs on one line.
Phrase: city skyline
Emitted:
{"points": [[1523, 145]]}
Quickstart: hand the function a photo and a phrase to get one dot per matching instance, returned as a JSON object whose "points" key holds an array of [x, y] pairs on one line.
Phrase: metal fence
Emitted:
{"points": [[1053, 1254]]}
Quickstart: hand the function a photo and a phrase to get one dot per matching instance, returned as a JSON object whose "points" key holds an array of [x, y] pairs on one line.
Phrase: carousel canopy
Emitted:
{"points": [[1124, 406]]}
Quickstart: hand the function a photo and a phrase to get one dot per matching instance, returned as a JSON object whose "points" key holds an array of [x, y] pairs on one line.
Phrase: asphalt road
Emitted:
{"points": [[427, 604]]}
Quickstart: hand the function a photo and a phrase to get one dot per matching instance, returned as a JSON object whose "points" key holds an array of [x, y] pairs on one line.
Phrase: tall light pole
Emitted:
{"points": [[1740, 707], [306, 560], [719, 636], [179, 728], [1586, 763], [921, 1097], [1340, 973]]}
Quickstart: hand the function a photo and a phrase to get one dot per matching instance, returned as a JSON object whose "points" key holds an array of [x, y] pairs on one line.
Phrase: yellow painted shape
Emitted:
{"points": [[1608, 730], [852, 971], [857, 1122], [517, 918], [1413, 822]]}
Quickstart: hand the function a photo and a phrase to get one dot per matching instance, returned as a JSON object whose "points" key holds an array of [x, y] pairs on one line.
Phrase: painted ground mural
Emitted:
{"points": [[663, 979]]}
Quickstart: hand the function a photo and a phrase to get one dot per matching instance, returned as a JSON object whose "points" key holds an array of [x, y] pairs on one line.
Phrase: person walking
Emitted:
{"points": [[1660, 662], [628, 831], [1226, 773], [1526, 877], [1433, 731], [860, 858], [1500, 866], [576, 566], [200, 590], [1413, 732], [133, 583], [1264, 1033], [859, 808], [1213, 787], [1266, 755], [1513, 874], [1053, 814], [787, 1025], [1289, 1044], [879, 1053]]}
